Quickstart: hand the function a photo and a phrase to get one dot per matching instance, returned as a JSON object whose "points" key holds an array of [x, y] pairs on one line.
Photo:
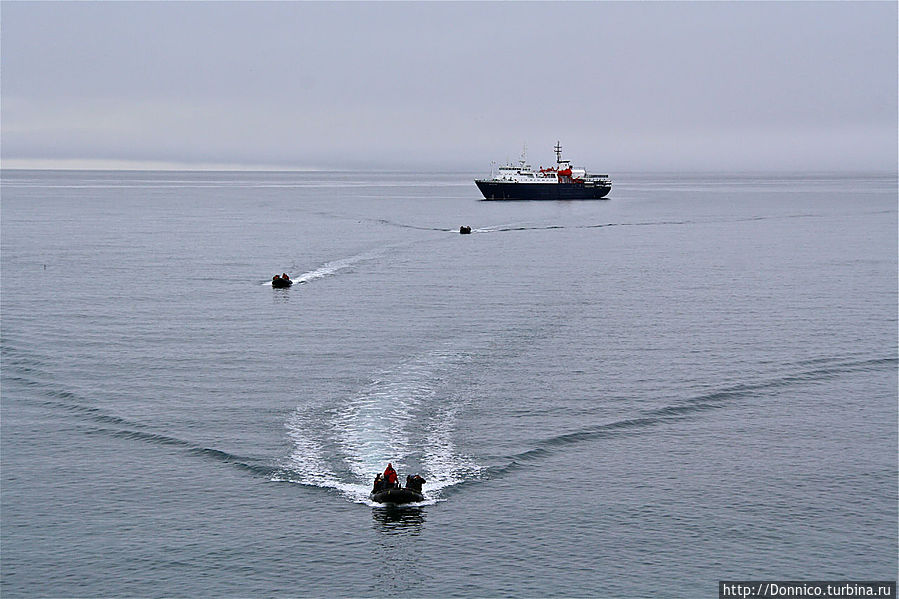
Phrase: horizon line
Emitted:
{"points": [[100, 165]]}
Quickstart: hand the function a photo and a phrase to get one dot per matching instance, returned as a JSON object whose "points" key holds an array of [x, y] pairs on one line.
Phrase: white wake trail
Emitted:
{"points": [[335, 266], [407, 416]]}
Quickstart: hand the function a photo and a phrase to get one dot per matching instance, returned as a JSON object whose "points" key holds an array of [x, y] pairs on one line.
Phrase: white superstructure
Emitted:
{"points": [[563, 172], [561, 182]]}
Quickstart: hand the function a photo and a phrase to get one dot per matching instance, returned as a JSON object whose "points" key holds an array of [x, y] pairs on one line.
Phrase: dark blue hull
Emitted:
{"points": [[503, 190]]}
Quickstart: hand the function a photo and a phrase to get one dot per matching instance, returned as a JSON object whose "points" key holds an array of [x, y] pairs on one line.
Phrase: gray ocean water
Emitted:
{"points": [[691, 381]]}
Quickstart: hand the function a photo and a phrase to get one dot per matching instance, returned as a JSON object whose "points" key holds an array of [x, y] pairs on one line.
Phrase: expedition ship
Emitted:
{"points": [[561, 182]]}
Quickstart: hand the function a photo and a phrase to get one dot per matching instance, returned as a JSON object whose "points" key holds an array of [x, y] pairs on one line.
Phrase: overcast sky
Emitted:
{"points": [[625, 86]]}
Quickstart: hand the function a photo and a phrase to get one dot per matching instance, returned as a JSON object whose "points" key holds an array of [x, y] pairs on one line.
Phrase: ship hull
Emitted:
{"points": [[503, 190]]}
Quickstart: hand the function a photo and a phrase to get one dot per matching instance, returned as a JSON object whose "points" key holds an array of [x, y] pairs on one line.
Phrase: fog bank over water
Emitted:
{"points": [[624, 86]]}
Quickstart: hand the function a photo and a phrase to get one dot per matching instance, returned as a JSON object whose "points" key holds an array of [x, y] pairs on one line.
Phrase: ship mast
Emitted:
{"points": [[558, 153]]}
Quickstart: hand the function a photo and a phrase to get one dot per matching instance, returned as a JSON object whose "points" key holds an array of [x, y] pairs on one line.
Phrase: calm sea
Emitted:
{"points": [[691, 381]]}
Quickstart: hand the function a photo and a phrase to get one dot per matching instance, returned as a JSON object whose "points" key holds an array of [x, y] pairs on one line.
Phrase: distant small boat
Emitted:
{"points": [[279, 282], [463, 230]]}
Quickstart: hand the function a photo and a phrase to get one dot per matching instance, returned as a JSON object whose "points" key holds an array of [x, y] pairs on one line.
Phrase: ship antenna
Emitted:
{"points": [[558, 153]]}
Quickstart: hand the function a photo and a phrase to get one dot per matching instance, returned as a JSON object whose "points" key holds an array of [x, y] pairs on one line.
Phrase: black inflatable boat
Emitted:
{"points": [[281, 282], [382, 492], [397, 495]]}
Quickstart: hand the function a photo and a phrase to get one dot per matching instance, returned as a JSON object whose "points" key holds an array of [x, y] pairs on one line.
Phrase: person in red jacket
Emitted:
{"points": [[390, 475]]}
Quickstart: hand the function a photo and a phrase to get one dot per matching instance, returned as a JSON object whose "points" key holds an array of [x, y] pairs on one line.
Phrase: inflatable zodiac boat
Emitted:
{"points": [[281, 281], [397, 495], [411, 493]]}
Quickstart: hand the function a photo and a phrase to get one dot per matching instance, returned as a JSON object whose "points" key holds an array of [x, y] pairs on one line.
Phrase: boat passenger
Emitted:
{"points": [[414, 483], [390, 475], [285, 277], [379, 483]]}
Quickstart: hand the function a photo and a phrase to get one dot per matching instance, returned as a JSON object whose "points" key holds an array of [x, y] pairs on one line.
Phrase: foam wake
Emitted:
{"points": [[335, 266], [406, 415]]}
